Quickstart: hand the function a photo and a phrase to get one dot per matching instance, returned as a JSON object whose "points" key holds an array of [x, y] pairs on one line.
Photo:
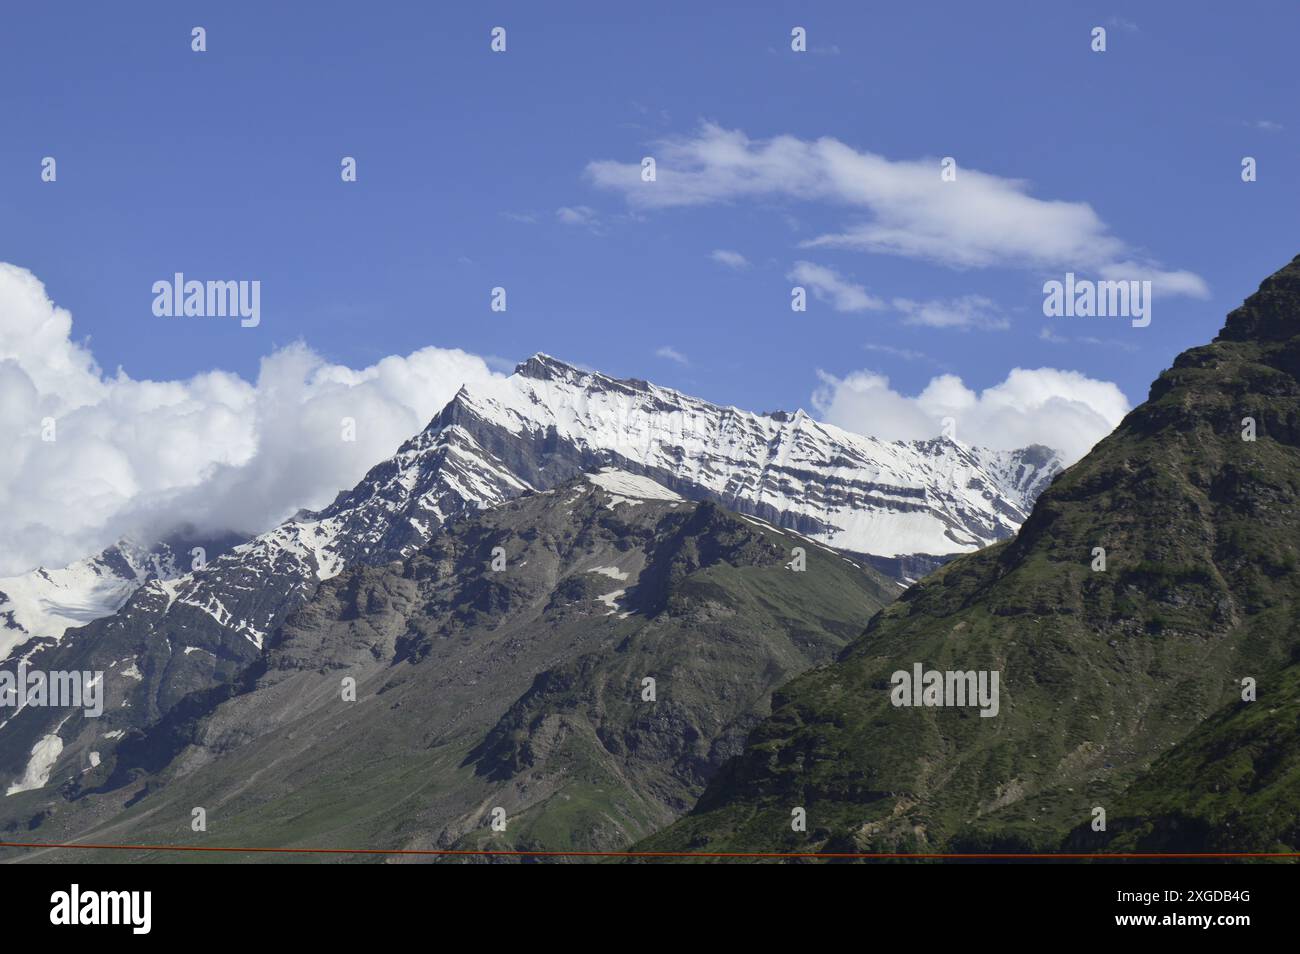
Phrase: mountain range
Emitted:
{"points": [[904, 505], [503, 665], [578, 613], [898, 504]]}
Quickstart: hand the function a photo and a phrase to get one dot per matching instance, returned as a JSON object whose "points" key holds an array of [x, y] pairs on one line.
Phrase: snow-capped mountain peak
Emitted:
{"points": [[905, 504], [854, 492], [901, 505]]}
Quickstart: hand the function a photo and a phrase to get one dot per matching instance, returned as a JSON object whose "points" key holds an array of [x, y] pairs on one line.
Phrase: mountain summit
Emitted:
{"points": [[891, 500], [1272, 313]]}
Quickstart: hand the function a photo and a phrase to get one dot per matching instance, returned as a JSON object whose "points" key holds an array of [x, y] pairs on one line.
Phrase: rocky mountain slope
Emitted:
{"points": [[1121, 687], [41, 605], [549, 422], [503, 664], [855, 493]]}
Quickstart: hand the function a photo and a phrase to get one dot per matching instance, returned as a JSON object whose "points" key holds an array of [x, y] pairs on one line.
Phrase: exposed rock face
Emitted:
{"points": [[522, 687]]}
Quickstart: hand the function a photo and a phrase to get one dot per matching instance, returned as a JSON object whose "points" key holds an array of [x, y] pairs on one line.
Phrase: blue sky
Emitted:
{"points": [[226, 164], [478, 169]]}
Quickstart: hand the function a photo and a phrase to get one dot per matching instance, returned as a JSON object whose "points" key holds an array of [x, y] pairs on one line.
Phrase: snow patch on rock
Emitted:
{"points": [[630, 488]]}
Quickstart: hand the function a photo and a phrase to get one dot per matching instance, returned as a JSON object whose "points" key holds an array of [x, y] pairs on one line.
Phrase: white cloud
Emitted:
{"points": [[576, 215], [827, 285], [977, 220], [1162, 282], [214, 451], [1266, 125], [968, 311], [672, 354], [907, 354], [729, 258], [1063, 409], [1048, 335]]}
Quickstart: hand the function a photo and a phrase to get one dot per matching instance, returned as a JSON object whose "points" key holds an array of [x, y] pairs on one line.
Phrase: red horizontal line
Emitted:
{"points": [[669, 854]]}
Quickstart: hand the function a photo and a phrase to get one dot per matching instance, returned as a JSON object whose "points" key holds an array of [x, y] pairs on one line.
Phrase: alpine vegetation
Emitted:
{"points": [[930, 687]]}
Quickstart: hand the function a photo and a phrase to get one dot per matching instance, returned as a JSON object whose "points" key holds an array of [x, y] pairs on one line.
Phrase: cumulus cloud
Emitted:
{"points": [[215, 452], [1065, 410], [729, 258], [898, 207], [827, 285]]}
